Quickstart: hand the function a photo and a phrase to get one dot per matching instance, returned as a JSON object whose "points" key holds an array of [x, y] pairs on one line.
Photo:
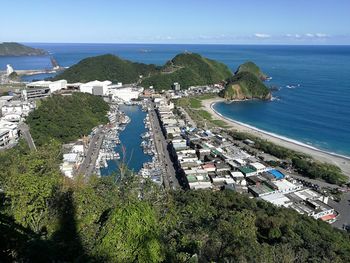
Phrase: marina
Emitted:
{"points": [[126, 148]]}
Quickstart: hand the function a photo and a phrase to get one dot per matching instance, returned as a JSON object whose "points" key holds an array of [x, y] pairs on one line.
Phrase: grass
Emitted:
{"points": [[194, 107], [195, 103]]}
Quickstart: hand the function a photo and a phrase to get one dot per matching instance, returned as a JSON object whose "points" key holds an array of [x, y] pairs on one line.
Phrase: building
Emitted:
{"points": [[21, 108], [54, 86], [125, 94], [258, 167], [176, 86], [96, 87], [8, 132], [35, 93], [4, 137]]}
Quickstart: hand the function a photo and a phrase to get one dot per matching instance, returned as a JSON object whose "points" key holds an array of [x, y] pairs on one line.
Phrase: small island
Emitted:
{"points": [[247, 83], [9, 49]]}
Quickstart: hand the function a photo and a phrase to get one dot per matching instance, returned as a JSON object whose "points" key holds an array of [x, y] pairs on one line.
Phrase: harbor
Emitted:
{"points": [[127, 140]]}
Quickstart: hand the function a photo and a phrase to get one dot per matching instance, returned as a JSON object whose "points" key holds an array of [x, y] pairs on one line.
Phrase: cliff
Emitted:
{"points": [[246, 84]]}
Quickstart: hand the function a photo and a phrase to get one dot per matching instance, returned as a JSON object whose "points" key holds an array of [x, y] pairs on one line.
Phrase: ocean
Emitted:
{"points": [[312, 104]]}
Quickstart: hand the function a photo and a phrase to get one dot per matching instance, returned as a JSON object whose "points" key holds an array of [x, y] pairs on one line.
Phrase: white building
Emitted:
{"points": [[54, 86], [125, 94], [96, 87], [10, 127], [259, 167], [22, 108]]}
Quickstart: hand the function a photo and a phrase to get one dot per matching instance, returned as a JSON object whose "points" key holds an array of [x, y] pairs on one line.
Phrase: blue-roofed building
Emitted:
{"points": [[277, 174]]}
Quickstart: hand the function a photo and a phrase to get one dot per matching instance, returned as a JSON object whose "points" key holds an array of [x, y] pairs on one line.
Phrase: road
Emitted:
{"points": [[88, 165], [188, 117], [24, 128], [169, 180]]}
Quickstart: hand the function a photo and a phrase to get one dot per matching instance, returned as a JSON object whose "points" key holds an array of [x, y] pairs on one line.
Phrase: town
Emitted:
{"points": [[183, 155]]}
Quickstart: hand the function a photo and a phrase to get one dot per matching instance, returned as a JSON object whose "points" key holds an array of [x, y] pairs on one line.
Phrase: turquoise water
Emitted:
{"points": [[130, 141], [316, 111]]}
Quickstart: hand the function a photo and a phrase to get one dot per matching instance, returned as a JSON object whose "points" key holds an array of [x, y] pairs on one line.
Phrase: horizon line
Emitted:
{"points": [[162, 43]]}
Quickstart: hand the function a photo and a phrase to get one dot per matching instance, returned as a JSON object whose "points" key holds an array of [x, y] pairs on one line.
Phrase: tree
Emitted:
{"points": [[31, 196], [131, 234]]}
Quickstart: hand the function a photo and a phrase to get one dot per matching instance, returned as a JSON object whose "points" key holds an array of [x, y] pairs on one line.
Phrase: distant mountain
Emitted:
{"points": [[16, 49], [186, 69], [247, 83], [107, 67]]}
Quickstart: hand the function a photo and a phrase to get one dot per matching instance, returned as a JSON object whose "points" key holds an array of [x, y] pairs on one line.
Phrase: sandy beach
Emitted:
{"points": [[342, 161]]}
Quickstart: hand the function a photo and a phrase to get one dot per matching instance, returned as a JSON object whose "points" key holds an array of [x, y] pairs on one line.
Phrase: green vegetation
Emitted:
{"points": [[193, 106], [66, 118], [304, 164], [245, 85], [46, 218], [252, 68], [187, 69], [16, 49], [106, 67], [195, 103]]}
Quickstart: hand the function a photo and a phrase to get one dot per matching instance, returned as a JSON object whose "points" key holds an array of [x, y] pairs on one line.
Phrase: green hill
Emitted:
{"points": [[66, 118], [252, 68], [246, 84], [16, 49], [106, 67], [188, 70]]}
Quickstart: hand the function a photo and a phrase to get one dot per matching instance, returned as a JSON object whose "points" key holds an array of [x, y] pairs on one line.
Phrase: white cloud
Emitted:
{"points": [[261, 35], [309, 35], [321, 35], [293, 35]]}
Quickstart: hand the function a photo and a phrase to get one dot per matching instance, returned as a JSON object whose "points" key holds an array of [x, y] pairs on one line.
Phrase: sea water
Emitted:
{"points": [[311, 106]]}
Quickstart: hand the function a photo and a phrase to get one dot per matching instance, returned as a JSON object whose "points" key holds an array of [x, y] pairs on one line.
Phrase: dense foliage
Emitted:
{"points": [[245, 85], [16, 49], [66, 118], [188, 69], [52, 219], [301, 162], [252, 68], [106, 67]]}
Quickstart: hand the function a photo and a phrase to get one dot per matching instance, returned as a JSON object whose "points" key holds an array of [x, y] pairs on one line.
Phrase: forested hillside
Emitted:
{"points": [[66, 118]]}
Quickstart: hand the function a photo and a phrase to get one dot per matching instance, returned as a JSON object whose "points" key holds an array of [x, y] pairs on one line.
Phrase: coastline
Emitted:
{"points": [[343, 162]]}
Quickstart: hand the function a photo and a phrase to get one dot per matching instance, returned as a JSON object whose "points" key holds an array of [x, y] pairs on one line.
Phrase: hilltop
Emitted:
{"points": [[16, 49], [252, 68], [187, 69], [247, 83], [106, 67]]}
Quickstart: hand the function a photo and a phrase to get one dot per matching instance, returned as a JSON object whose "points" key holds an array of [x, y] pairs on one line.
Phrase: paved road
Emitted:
{"points": [[169, 180], [24, 128], [88, 165], [343, 208]]}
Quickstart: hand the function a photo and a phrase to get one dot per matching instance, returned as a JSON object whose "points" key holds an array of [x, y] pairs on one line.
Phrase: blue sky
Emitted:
{"points": [[177, 21]]}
